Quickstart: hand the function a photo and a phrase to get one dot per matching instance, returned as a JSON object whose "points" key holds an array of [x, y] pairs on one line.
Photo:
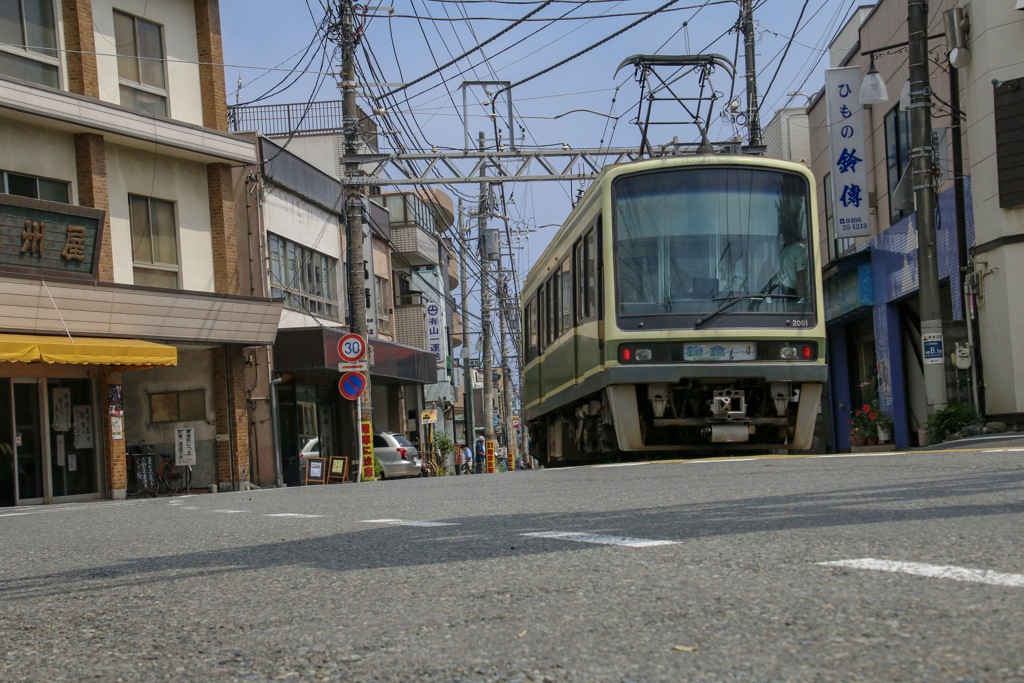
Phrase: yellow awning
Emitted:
{"points": [[29, 348]]}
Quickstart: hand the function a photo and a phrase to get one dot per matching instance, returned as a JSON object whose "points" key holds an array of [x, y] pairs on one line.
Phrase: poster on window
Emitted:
{"points": [[848, 151], [61, 409], [82, 416]]}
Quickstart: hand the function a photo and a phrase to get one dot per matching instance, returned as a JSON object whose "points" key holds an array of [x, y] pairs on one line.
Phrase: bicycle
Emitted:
{"points": [[173, 478], [169, 477]]}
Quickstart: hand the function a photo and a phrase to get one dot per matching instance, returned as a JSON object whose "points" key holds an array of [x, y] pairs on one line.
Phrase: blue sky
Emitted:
{"points": [[265, 40]]}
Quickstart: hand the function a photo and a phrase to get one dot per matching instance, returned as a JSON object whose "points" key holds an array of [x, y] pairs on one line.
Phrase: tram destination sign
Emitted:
{"points": [[60, 239]]}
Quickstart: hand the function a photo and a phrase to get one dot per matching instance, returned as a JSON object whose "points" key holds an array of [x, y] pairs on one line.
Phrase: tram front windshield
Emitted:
{"points": [[689, 241]]}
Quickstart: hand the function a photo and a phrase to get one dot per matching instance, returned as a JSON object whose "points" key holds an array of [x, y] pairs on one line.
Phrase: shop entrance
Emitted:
{"points": [[47, 443]]}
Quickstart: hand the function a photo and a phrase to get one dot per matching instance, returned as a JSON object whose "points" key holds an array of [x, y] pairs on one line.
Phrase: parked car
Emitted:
{"points": [[397, 456]]}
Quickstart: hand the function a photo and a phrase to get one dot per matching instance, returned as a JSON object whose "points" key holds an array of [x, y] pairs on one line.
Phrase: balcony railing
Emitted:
{"points": [[306, 118]]}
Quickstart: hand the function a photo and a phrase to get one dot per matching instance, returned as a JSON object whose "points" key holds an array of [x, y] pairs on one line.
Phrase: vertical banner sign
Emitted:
{"points": [[435, 333], [849, 170], [491, 466], [366, 437]]}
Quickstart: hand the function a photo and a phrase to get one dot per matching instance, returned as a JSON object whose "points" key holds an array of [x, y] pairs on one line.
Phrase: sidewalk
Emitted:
{"points": [[1004, 440]]}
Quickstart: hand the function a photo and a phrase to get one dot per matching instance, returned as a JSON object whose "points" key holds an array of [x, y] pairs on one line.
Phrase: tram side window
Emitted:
{"points": [[565, 296], [530, 331], [542, 311], [586, 275], [552, 314]]}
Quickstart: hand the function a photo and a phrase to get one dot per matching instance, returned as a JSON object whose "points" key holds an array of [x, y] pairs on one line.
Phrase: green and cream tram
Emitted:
{"points": [[679, 308]]}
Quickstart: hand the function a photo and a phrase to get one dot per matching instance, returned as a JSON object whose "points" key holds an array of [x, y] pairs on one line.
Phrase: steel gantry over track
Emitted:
{"points": [[434, 168]]}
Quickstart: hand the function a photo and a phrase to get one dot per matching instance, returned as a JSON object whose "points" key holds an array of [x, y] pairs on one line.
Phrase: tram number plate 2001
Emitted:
{"points": [[721, 351]]}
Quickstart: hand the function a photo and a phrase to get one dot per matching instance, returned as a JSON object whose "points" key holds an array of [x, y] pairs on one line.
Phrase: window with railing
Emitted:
{"points": [[304, 278], [140, 64], [28, 41]]}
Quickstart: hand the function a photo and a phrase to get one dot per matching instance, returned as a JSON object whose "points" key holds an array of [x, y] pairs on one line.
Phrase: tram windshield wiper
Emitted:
{"points": [[733, 300]]}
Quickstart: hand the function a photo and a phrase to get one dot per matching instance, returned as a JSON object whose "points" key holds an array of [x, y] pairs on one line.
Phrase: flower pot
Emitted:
{"points": [[872, 440], [884, 434], [857, 440]]}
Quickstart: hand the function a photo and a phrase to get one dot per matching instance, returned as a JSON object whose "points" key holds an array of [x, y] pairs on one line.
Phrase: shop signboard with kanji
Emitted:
{"points": [[40, 236]]}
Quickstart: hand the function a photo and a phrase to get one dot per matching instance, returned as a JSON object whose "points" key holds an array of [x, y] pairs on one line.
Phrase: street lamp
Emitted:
{"points": [[872, 88]]}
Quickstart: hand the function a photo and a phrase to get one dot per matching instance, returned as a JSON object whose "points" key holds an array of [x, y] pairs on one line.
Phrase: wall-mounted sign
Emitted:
{"points": [[56, 238], [185, 446]]}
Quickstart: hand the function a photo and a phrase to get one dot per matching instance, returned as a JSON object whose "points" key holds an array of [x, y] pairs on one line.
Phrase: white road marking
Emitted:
{"points": [[933, 571], [403, 522], [622, 464], [229, 512], [291, 514], [598, 538], [44, 509]]}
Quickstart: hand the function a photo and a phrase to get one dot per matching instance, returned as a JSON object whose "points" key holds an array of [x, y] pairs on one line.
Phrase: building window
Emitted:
{"points": [[35, 188], [897, 155], [140, 64], [28, 41], [384, 300], [154, 242], [305, 279], [307, 419], [1009, 121], [178, 406]]}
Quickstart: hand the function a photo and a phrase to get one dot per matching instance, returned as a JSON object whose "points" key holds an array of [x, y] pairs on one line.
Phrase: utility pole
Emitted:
{"points": [[924, 196], [363, 406], [467, 372], [506, 380], [485, 301], [747, 28]]}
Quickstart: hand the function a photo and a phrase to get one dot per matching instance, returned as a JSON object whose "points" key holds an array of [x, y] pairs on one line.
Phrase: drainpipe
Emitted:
{"points": [[278, 469]]}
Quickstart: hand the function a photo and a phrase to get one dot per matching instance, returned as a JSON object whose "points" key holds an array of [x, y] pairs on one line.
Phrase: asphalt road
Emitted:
{"points": [[904, 567]]}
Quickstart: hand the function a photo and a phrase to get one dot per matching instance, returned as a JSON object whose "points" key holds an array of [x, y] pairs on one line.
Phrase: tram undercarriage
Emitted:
{"points": [[699, 416]]}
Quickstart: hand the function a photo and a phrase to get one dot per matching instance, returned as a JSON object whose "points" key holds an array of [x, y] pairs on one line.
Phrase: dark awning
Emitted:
{"points": [[315, 351]]}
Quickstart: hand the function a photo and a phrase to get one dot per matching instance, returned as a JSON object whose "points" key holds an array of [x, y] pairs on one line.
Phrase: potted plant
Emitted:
{"points": [[864, 425], [883, 424]]}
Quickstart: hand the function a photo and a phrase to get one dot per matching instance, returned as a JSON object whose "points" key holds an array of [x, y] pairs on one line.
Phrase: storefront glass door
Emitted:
{"points": [[72, 442], [7, 459], [28, 438]]}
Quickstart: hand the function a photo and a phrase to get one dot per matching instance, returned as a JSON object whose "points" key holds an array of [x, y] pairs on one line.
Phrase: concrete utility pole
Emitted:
{"points": [[924, 195], [467, 372], [485, 302], [363, 408], [506, 380], [747, 27]]}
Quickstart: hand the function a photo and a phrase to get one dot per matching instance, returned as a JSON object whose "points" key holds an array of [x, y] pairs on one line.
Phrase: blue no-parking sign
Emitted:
{"points": [[351, 385]]}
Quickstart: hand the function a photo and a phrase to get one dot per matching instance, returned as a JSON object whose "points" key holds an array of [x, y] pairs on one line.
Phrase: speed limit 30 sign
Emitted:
{"points": [[351, 348]]}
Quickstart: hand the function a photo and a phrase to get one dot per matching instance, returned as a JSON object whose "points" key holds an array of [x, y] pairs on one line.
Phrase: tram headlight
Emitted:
{"points": [[797, 352], [629, 354]]}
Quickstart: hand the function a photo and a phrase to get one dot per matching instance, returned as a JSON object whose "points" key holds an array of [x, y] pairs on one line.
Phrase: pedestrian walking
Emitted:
{"points": [[481, 454]]}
